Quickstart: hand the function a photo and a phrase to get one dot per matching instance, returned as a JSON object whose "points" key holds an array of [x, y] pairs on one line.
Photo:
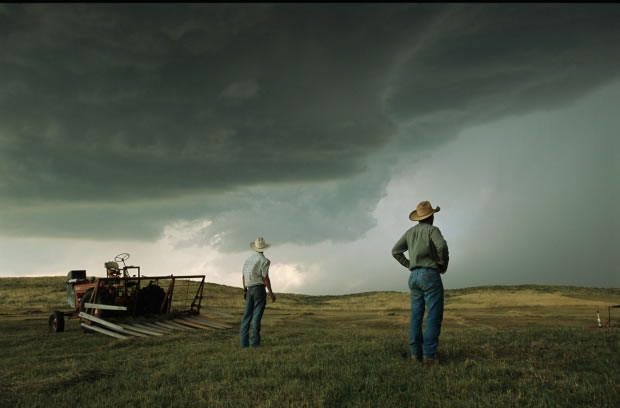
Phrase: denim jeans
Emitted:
{"points": [[254, 307], [426, 290]]}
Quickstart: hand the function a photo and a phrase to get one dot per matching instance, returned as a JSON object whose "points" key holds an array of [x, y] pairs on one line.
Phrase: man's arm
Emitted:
{"points": [[245, 290], [399, 249], [442, 250], [265, 275], [268, 285]]}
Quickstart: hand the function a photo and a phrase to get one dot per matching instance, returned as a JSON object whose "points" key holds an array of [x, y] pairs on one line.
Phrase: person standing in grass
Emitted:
{"points": [[255, 277], [428, 259]]}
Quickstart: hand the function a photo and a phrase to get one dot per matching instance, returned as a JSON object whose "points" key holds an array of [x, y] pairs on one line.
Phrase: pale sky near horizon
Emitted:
{"points": [[179, 133]]}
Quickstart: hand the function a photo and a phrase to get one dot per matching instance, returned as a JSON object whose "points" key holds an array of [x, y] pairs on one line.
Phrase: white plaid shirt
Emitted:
{"points": [[255, 268]]}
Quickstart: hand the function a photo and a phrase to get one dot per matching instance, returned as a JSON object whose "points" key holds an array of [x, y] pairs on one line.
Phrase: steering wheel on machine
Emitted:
{"points": [[122, 257]]}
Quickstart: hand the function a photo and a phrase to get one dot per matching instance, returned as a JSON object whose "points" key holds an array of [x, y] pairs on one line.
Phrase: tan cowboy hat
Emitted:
{"points": [[423, 211], [259, 245]]}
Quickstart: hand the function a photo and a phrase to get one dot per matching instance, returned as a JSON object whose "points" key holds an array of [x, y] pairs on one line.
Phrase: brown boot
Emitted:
{"points": [[417, 358], [430, 361]]}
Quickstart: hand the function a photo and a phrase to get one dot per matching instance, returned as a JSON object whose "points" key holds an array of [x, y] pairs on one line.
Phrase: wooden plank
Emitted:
{"points": [[104, 331], [226, 325], [111, 325], [141, 330], [162, 326], [171, 327], [191, 324], [143, 326], [206, 322], [216, 312], [156, 327], [100, 321], [178, 326], [133, 332], [104, 307]]}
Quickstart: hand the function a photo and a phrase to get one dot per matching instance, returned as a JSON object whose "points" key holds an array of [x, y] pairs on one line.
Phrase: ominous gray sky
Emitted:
{"points": [[179, 133]]}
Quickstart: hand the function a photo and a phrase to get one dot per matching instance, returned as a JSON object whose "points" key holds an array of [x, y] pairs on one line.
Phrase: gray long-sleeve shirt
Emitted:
{"points": [[426, 246]]}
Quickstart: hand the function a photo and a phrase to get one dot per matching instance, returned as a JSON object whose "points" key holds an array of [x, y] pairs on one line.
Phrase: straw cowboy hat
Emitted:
{"points": [[259, 245], [423, 211]]}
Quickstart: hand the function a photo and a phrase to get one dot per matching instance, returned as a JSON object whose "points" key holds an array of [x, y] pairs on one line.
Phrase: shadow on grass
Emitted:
{"points": [[446, 356]]}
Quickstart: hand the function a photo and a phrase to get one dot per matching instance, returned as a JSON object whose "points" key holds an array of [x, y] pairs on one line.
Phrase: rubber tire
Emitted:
{"points": [[102, 298], [59, 319], [150, 299], [86, 299]]}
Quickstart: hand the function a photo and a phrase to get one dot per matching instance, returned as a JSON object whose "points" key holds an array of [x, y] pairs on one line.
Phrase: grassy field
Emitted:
{"points": [[500, 346]]}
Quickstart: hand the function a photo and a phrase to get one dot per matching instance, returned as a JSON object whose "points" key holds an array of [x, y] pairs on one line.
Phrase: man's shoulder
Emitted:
{"points": [[422, 228], [418, 227], [257, 257], [408, 232], [425, 226], [253, 258]]}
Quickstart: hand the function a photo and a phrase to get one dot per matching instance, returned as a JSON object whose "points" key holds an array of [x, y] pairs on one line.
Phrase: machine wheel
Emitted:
{"points": [[56, 322], [150, 300], [102, 298], [86, 299]]}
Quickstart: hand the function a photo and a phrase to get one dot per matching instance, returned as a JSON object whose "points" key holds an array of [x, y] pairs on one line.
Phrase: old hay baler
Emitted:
{"points": [[126, 304]]}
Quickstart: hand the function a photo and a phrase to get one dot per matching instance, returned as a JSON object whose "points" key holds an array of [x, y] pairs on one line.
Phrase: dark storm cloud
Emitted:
{"points": [[479, 63], [139, 104], [126, 102]]}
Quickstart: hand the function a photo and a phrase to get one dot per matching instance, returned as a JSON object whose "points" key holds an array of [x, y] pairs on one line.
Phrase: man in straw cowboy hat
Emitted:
{"points": [[428, 258], [255, 277]]}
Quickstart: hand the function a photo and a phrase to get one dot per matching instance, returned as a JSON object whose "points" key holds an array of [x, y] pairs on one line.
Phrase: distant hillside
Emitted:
{"points": [[43, 294]]}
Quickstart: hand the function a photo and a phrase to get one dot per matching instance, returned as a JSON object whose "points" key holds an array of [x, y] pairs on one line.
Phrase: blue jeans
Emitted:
{"points": [[254, 307], [426, 289]]}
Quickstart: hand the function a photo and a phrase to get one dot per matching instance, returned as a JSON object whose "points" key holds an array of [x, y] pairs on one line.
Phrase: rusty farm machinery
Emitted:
{"points": [[126, 304]]}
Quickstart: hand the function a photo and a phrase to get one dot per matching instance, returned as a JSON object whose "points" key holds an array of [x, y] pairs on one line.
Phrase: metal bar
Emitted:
{"points": [[167, 302], [192, 324], [141, 330], [100, 321], [186, 295], [142, 278], [198, 296], [94, 296], [104, 307], [104, 331], [136, 298]]}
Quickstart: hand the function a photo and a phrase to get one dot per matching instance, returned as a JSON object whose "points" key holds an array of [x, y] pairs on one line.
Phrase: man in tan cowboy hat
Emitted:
{"points": [[428, 259], [255, 277]]}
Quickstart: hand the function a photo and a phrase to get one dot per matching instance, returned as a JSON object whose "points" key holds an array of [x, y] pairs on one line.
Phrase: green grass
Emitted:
{"points": [[331, 351]]}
